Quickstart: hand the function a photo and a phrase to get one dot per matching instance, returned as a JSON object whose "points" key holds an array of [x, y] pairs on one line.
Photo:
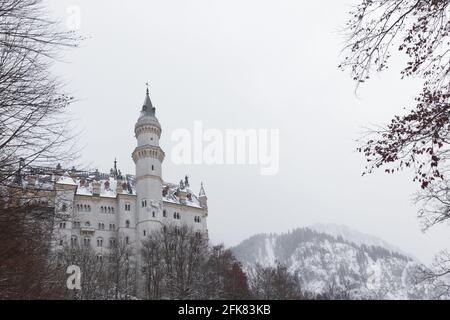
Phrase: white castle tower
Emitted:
{"points": [[148, 157]]}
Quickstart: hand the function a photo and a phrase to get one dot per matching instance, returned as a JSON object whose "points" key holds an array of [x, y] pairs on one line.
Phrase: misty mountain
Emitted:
{"points": [[330, 258]]}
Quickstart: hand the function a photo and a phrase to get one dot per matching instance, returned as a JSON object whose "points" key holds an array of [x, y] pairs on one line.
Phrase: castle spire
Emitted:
{"points": [[202, 191], [115, 167], [147, 107]]}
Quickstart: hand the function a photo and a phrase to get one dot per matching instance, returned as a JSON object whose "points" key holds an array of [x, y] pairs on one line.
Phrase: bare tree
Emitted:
{"points": [[420, 29], [107, 274], [33, 118], [178, 263], [275, 283], [223, 276], [122, 270], [34, 129], [437, 276], [172, 263], [418, 140]]}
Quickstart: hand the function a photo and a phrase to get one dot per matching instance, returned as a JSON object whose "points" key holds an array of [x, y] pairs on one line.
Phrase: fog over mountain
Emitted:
{"points": [[333, 257]]}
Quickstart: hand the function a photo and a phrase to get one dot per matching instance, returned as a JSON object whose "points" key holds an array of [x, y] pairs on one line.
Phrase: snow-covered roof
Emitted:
{"points": [[66, 179], [110, 185]]}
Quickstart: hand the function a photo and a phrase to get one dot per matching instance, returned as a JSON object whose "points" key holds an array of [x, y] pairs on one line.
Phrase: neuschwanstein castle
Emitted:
{"points": [[102, 209]]}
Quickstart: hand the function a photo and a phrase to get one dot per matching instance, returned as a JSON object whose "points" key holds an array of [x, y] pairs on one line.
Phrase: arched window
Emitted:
{"points": [[144, 203], [154, 214], [153, 167], [87, 241], [127, 223], [175, 215], [112, 242], [89, 208], [145, 233], [101, 226], [127, 207], [164, 213], [101, 209], [99, 242], [74, 240]]}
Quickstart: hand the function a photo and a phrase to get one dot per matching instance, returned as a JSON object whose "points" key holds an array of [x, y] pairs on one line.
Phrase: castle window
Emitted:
{"points": [[145, 233], [64, 208], [153, 214], [102, 209], [153, 168], [144, 203], [112, 242], [62, 225], [100, 258], [89, 208], [177, 216], [127, 240], [61, 242], [87, 242], [87, 224], [127, 223], [78, 207], [85, 208], [101, 226], [164, 213], [74, 240], [99, 242], [112, 226], [127, 207]]}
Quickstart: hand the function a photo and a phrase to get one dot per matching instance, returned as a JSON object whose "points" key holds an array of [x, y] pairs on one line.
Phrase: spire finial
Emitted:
{"points": [[148, 85]]}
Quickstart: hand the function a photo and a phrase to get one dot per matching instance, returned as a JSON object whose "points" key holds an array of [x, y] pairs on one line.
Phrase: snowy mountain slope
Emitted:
{"points": [[357, 237], [348, 261]]}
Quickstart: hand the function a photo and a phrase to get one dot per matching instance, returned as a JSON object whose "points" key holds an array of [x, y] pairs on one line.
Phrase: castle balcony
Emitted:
{"points": [[87, 230]]}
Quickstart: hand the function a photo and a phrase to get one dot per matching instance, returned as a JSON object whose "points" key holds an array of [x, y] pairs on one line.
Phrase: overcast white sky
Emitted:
{"points": [[246, 64]]}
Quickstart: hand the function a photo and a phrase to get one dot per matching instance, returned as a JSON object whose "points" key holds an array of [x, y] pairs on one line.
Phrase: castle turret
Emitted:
{"points": [[148, 157]]}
